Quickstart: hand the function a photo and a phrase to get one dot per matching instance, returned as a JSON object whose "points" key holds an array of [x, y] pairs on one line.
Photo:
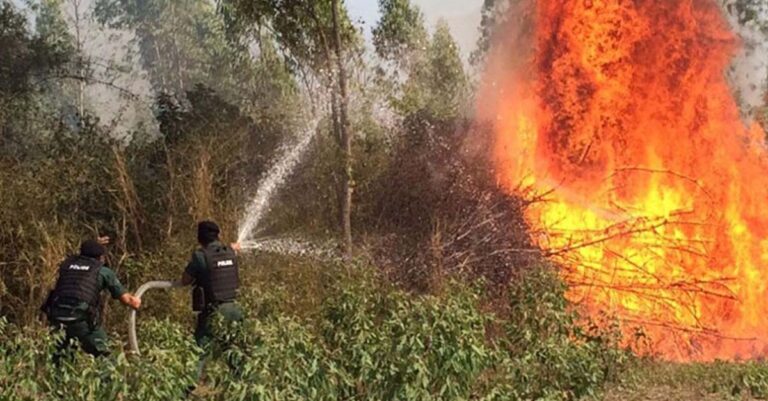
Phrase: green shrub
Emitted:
{"points": [[729, 378], [278, 359], [367, 341], [545, 354], [390, 345], [163, 372]]}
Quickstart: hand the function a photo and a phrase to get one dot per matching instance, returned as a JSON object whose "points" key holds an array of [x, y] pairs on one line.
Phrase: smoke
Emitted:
{"points": [[116, 88], [462, 16], [118, 91], [749, 72]]}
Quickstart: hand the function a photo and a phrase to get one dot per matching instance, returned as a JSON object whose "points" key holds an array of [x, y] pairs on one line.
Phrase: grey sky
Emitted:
{"points": [[462, 15]]}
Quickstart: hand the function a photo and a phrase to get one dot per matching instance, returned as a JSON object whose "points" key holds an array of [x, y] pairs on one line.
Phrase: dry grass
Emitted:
{"points": [[658, 381], [665, 393]]}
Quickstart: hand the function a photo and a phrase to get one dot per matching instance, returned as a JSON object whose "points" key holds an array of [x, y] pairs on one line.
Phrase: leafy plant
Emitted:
{"points": [[367, 341]]}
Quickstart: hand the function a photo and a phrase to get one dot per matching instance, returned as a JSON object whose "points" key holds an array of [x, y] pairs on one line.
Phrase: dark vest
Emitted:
{"points": [[221, 279], [79, 280]]}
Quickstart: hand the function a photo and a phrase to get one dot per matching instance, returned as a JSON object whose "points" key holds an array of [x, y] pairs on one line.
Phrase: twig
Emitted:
{"points": [[555, 252], [695, 330], [658, 171]]}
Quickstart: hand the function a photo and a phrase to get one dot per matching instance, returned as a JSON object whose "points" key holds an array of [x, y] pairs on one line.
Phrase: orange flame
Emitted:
{"points": [[653, 194]]}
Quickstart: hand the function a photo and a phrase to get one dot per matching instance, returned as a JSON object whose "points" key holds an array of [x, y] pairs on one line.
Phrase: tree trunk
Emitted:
{"points": [[346, 138], [80, 64]]}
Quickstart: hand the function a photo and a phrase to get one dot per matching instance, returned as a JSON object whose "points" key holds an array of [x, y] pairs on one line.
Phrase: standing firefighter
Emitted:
{"points": [[213, 270], [75, 303]]}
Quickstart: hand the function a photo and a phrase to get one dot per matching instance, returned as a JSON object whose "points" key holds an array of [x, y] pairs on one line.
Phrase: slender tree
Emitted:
{"points": [[344, 134], [400, 33]]}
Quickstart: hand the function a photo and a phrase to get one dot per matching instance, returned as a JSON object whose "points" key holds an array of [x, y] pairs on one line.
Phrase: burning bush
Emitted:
{"points": [[620, 113]]}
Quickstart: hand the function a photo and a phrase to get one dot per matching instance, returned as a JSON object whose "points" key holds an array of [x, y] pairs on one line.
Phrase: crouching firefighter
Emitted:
{"points": [[74, 304], [213, 273]]}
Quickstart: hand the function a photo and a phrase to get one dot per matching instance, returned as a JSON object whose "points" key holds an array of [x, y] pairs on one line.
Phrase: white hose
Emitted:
{"points": [[132, 340]]}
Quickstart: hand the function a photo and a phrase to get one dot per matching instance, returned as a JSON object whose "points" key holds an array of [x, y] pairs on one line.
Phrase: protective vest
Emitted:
{"points": [[79, 280], [221, 279]]}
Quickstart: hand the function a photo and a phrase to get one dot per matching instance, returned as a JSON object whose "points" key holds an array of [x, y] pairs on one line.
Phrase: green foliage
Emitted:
{"points": [[437, 83], [30, 61], [367, 341], [549, 356], [277, 359], [493, 12], [51, 27], [181, 43], [302, 29], [389, 345], [501, 21], [400, 30], [167, 364], [750, 378], [26, 55], [166, 369]]}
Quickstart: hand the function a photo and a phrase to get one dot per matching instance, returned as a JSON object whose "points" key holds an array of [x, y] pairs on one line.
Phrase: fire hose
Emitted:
{"points": [[132, 339]]}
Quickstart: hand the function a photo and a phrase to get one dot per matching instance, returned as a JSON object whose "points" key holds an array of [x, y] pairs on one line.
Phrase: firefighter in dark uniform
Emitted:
{"points": [[213, 272], [74, 303]]}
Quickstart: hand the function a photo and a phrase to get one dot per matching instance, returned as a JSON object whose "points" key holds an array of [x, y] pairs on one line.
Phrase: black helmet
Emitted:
{"points": [[207, 232], [92, 249]]}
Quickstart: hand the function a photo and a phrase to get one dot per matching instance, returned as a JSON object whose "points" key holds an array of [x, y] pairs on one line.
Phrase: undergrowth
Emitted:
{"points": [[649, 379], [366, 340]]}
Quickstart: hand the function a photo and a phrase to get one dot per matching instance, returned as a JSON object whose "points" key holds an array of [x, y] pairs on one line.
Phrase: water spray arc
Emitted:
{"points": [[273, 180]]}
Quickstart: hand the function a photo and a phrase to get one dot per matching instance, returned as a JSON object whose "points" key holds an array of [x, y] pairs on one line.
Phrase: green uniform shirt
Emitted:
{"points": [[111, 283]]}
